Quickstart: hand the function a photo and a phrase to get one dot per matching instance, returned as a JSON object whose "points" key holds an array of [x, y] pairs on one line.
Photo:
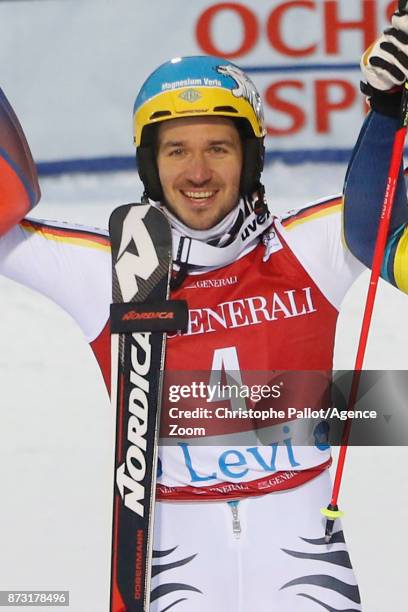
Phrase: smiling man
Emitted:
{"points": [[238, 524], [200, 164]]}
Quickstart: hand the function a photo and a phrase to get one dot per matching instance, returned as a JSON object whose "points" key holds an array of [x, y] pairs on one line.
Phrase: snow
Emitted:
{"points": [[56, 437]]}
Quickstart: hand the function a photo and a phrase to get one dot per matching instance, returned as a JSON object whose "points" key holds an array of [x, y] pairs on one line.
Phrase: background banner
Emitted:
{"points": [[72, 69]]}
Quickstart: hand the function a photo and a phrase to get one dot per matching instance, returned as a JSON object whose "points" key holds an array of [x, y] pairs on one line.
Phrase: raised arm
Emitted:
{"points": [[385, 68], [67, 263]]}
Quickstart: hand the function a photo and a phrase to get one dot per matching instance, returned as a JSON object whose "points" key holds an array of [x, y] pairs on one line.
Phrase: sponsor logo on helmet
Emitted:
{"points": [[205, 82], [245, 89], [190, 111], [190, 95]]}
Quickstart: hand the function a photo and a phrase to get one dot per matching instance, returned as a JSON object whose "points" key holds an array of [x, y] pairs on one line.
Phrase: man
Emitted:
{"points": [[261, 297]]}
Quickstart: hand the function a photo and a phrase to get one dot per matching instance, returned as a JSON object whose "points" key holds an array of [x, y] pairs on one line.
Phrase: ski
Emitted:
{"points": [[141, 313]]}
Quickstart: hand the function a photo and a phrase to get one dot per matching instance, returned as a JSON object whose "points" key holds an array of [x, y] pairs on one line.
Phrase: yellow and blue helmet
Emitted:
{"points": [[193, 87]]}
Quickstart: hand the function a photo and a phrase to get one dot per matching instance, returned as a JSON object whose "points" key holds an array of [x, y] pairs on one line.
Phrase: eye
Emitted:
{"points": [[218, 149], [178, 152]]}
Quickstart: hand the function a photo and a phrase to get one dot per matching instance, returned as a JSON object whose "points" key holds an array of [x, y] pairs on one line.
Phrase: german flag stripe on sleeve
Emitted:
{"points": [[320, 209], [69, 235]]}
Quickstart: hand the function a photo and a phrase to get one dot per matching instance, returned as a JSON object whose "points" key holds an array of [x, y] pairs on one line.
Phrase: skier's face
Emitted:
{"points": [[200, 162]]}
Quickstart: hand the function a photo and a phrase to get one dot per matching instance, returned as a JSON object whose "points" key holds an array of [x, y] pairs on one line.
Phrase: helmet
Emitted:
{"points": [[192, 87]]}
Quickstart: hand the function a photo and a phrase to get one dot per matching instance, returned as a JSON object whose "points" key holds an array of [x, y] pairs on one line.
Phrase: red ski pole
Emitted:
{"points": [[332, 511]]}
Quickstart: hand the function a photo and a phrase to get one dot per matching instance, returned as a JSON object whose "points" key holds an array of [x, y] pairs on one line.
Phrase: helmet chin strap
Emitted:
{"points": [[221, 244]]}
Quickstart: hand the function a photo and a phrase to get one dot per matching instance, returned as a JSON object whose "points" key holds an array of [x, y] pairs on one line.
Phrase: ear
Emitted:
{"points": [[254, 154], [148, 172]]}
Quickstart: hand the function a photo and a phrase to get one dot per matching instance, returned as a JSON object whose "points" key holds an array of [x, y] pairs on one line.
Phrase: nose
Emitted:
{"points": [[198, 171]]}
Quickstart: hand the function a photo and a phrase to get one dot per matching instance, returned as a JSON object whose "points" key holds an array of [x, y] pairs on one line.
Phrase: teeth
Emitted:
{"points": [[201, 195]]}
